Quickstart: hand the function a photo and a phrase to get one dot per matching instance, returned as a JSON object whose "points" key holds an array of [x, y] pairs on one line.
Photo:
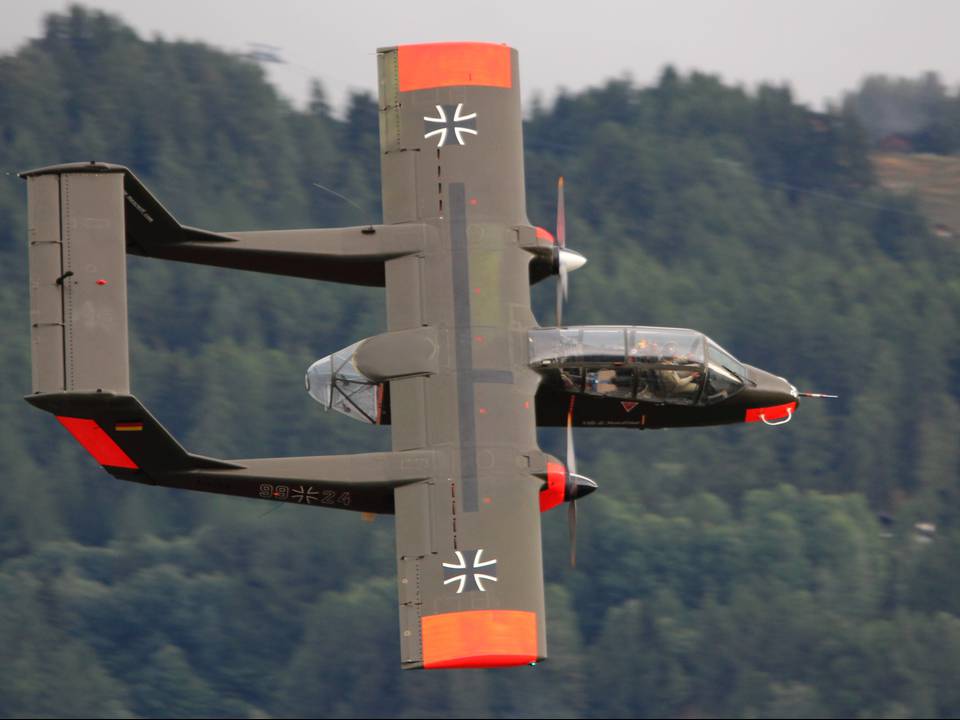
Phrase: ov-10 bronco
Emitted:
{"points": [[463, 375]]}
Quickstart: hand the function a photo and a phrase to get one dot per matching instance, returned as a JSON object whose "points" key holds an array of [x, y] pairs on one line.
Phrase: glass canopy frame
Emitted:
{"points": [[673, 366]]}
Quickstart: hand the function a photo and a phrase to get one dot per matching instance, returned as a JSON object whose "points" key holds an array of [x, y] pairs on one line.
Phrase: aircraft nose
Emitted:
{"points": [[770, 389]]}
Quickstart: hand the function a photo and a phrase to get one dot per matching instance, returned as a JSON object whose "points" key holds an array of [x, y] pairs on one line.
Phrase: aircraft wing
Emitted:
{"points": [[455, 255], [452, 160], [470, 584]]}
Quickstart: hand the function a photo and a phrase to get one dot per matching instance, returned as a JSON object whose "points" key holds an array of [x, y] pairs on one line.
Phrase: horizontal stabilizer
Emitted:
{"points": [[130, 444], [122, 435], [143, 226]]}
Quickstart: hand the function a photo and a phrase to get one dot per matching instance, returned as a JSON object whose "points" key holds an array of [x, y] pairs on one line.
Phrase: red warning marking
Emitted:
{"points": [[628, 406], [487, 501], [526, 404], [478, 338], [101, 281], [483, 411], [476, 291], [473, 201]]}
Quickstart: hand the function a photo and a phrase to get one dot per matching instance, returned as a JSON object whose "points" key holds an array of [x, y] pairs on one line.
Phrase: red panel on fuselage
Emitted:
{"points": [[774, 412]]}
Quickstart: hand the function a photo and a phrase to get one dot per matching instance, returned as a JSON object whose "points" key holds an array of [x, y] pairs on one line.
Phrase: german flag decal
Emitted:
{"points": [[128, 427]]}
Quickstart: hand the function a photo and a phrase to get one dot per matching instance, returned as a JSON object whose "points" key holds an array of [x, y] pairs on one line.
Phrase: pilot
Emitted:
{"points": [[679, 382], [644, 350]]}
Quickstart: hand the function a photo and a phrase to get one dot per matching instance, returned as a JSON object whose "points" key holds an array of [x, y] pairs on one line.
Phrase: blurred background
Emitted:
{"points": [[806, 571]]}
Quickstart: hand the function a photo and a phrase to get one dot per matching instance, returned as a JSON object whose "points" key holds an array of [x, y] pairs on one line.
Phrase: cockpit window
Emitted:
{"points": [[716, 355], [669, 366], [665, 345], [725, 374], [551, 346], [660, 365], [603, 344]]}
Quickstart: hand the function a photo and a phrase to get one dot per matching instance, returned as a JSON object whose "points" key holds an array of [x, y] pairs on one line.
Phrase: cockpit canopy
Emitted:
{"points": [[647, 364]]}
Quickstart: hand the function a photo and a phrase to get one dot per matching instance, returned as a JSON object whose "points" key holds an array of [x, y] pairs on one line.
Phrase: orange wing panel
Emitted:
{"points": [[479, 639], [434, 65]]}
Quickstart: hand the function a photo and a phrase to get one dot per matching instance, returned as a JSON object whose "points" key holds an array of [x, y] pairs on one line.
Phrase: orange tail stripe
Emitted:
{"points": [[479, 639], [96, 442], [450, 64]]}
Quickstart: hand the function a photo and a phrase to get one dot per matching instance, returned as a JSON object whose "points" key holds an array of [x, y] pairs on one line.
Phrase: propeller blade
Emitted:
{"points": [[572, 470], [561, 243], [561, 296], [572, 523], [571, 455], [561, 216]]}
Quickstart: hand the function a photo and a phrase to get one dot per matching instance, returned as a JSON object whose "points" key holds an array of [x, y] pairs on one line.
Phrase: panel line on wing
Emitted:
{"points": [[460, 258]]}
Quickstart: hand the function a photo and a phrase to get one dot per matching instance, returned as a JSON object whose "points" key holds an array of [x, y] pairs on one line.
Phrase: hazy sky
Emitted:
{"points": [[820, 47]]}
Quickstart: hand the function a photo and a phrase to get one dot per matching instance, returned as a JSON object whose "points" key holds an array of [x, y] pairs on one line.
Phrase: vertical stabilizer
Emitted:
{"points": [[78, 281]]}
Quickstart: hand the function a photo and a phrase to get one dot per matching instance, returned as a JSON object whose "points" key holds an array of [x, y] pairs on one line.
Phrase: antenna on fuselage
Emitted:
{"points": [[369, 228]]}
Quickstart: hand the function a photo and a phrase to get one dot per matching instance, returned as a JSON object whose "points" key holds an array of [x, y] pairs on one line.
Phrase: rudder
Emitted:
{"points": [[78, 283]]}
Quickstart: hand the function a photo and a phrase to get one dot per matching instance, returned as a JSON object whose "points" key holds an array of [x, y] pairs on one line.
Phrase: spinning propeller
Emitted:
{"points": [[567, 260], [577, 487]]}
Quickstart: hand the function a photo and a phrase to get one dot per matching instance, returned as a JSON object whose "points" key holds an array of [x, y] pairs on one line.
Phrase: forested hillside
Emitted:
{"points": [[721, 572]]}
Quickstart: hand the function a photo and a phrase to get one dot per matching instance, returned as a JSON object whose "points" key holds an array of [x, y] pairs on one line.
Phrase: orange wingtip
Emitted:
{"points": [[435, 65], [479, 639]]}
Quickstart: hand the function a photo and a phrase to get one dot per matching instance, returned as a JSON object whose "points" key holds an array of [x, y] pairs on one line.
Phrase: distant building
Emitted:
{"points": [[941, 230]]}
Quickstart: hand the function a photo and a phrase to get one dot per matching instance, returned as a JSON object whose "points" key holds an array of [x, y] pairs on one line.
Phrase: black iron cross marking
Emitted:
{"points": [[470, 566], [301, 494], [449, 118]]}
